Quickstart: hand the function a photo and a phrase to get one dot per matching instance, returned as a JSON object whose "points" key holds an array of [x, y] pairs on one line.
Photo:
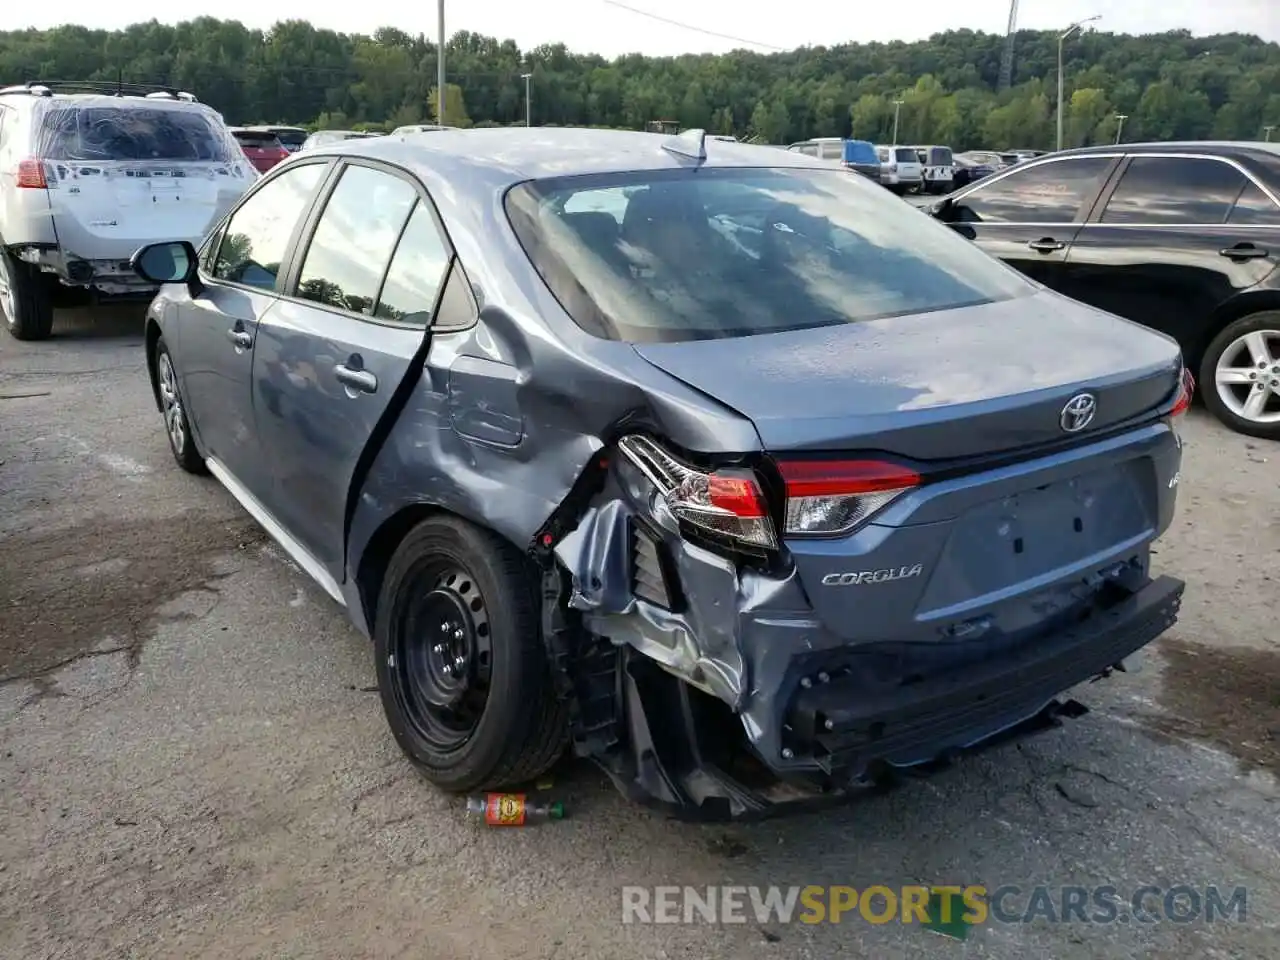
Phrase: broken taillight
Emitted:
{"points": [[831, 497], [31, 174], [729, 504], [1186, 389]]}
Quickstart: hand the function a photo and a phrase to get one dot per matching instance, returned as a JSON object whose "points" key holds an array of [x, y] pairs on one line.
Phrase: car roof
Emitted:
{"points": [[1223, 147], [502, 156]]}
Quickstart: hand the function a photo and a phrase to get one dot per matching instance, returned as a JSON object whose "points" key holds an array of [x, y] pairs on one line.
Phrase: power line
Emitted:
{"points": [[686, 26]]}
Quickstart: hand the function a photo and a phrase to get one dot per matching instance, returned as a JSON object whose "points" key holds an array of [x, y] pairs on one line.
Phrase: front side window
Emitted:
{"points": [[1253, 206], [1046, 193], [1164, 190], [416, 272], [703, 254], [354, 239], [256, 239]]}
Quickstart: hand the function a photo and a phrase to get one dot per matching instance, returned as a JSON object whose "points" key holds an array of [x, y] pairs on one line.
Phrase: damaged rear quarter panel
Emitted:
{"points": [[508, 413]]}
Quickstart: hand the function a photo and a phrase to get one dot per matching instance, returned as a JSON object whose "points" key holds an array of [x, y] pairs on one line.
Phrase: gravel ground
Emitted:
{"points": [[193, 762]]}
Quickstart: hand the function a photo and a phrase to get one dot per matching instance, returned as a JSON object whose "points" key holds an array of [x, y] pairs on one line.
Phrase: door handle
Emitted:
{"points": [[1047, 245], [361, 380], [241, 338], [1244, 251]]}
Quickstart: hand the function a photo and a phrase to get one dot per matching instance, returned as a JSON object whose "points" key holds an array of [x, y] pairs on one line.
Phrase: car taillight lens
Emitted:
{"points": [[31, 174], [1186, 389], [728, 504], [831, 497]]}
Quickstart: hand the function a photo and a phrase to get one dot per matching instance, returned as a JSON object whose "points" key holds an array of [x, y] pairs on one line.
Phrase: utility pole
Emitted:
{"points": [[1120, 119], [1061, 40], [1006, 57], [1266, 132], [528, 99], [897, 108], [440, 70]]}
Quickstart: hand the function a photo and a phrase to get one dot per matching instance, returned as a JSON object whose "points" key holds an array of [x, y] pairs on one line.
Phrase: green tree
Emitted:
{"points": [[455, 107]]}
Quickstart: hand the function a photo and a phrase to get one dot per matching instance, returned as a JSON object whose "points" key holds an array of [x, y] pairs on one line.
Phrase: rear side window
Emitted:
{"points": [[132, 133], [1161, 190], [354, 239], [1046, 193], [711, 253], [416, 272], [257, 237], [1254, 206]]}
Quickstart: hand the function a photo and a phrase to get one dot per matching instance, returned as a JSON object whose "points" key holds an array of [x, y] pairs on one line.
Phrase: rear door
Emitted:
{"points": [[1029, 216], [1175, 238], [216, 330], [331, 358]]}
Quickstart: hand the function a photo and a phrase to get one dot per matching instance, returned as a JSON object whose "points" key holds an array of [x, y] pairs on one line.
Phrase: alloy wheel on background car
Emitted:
{"points": [[1247, 376]]}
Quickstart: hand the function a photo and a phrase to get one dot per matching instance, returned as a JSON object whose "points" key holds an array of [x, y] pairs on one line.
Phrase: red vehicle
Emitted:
{"points": [[264, 150]]}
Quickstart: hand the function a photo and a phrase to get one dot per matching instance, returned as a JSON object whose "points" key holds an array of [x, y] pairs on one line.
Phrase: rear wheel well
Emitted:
{"points": [[1229, 313], [383, 544]]}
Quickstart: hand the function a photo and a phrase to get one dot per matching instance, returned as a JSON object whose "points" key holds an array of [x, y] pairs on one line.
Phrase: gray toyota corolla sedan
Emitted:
{"points": [[731, 470]]}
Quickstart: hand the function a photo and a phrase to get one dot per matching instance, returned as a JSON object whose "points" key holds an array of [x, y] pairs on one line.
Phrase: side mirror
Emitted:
{"points": [[942, 210], [173, 261]]}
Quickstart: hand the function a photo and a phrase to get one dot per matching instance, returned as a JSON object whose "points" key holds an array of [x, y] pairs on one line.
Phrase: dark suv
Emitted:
{"points": [[1182, 237]]}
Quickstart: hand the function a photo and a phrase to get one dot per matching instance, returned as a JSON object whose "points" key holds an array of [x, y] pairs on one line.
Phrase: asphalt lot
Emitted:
{"points": [[192, 762]]}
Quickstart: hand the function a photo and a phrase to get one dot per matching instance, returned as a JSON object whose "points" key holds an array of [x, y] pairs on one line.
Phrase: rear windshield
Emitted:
{"points": [[132, 133], [907, 155], [701, 254], [260, 141], [291, 138], [940, 156]]}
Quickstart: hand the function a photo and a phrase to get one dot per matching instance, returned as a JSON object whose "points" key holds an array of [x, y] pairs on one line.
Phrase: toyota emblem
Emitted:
{"points": [[1078, 413]]}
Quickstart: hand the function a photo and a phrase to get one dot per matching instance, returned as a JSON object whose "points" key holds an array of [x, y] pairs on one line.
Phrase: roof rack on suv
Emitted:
{"points": [[119, 88]]}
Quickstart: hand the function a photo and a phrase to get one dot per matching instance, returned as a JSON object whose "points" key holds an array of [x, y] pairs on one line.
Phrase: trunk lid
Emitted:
{"points": [[108, 209], [959, 383], [123, 172], [991, 555]]}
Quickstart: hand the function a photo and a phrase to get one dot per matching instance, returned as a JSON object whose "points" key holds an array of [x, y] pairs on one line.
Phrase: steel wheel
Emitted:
{"points": [[171, 404], [1247, 376], [442, 660]]}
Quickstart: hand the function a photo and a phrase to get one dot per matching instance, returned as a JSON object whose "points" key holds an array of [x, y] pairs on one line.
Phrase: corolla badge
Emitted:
{"points": [[858, 578], [1078, 413]]}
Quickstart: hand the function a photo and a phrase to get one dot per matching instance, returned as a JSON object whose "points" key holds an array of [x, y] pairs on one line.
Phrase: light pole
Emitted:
{"points": [[1120, 119], [528, 99], [897, 108], [1061, 40], [1266, 132], [440, 70]]}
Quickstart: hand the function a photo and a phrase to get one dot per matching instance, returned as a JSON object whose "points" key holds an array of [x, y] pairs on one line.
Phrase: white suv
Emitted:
{"points": [[86, 178], [900, 169]]}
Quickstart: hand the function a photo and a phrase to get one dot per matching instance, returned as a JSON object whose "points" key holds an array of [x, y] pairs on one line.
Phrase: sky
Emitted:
{"points": [[607, 27]]}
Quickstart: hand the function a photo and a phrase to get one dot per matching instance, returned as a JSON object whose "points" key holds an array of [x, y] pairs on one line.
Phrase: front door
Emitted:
{"points": [[218, 326], [1177, 238], [331, 357], [1029, 217]]}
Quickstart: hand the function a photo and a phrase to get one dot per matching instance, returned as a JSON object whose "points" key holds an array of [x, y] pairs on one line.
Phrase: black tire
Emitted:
{"points": [[176, 425], [1267, 322], [31, 317], [521, 728]]}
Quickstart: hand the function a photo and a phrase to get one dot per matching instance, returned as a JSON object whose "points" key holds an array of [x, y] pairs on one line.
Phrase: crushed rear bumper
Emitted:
{"points": [[847, 733]]}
